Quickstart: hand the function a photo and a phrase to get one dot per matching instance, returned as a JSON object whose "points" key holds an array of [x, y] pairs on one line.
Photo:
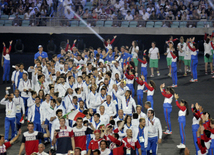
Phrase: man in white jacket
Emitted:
{"points": [[40, 83], [24, 87], [154, 132], [127, 102], [37, 115], [10, 115]]}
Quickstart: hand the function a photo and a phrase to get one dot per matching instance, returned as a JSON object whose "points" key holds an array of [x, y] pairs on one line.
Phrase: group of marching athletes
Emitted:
{"points": [[90, 97]]}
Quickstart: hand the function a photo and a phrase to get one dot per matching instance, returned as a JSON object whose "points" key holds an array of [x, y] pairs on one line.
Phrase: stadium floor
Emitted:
{"points": [[200, 92]]}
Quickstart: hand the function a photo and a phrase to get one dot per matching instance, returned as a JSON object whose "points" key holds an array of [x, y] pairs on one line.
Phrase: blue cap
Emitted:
{"points": [[39, 46]]}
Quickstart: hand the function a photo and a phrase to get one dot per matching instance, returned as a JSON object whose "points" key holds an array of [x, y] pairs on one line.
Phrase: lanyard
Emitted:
{"points": [[127, 102], [149, 121], [71, 101], [25, 82], [11, 105], [37, 109], [142, 131]]}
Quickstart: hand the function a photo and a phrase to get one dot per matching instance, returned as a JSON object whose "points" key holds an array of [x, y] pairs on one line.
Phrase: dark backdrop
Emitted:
{"points": [[31, 41]]}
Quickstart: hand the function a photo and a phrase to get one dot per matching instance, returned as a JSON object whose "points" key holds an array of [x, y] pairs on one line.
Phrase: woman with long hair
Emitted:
{"points": [[183, 112], [134, 51], [167, 106]]}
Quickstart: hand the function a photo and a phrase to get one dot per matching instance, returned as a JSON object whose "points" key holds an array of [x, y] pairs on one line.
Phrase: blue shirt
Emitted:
{"points": [[110, 58], [125, 56], [60, 56], [37, 115], [43, 55]]}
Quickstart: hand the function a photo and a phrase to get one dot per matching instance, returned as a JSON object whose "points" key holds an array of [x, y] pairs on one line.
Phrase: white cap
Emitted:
{"points": [[39, 46]]}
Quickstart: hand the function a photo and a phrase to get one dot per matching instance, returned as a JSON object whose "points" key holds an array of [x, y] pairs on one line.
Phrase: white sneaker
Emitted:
{"points": [[192, 80], [189, 71], [158, 74], [167, 132], [181, 146], [152, 75]]}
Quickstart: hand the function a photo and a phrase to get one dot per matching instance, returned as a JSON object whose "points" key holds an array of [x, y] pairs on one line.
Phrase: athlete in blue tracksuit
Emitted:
{"points": [[130, 81], [194, 62], [174, 70], [141, 136], [151, 89], [144, 68], [140, 88], [10, 119], [167, 106], [195, 126], [183, 106], [6, 65]]}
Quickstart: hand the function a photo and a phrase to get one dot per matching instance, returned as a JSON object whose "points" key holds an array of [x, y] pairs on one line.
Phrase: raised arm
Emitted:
{"points": [[192, 49]]}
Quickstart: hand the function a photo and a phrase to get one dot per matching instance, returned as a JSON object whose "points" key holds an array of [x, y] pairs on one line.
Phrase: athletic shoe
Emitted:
{"points": [[158, 74], [205, 73], [213, 76], [181, 146], [174, 86], [145, 91], [185, 74], [180, 70], [169, 74], [212, 72], [167, 132], [152, 75], [189, 70], [196, 80], [192, 80]]}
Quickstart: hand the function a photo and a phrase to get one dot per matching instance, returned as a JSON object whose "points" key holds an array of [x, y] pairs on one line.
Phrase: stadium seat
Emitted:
{"points": [[200, 24], [158, 24], [150, 24], [12, 16], [88, 4], [25, 23], [8, 23], [4, 16], [183, 24], [175, 25], [125, 24], [81, 24], [1, 22], [108, 23], [133, 24], [21, 16], [74, 23], [99, 23]]}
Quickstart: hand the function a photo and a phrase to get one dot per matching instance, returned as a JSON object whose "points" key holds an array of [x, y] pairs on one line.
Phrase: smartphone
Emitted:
{"points": [[57, 130], [53, 74]]}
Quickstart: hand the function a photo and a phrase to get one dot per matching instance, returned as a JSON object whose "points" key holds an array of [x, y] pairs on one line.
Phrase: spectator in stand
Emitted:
{"points": [[17, 21], [103, 15], [153, 16], [129, 16], [203, 15], [124, 10], [117, 5], [94, 14], [86, 14], [98, 10], [161, 15], [68, 13], [145, 15], [27, 15], [137, 16], [6, 10], [111, 15], [196, 16]]}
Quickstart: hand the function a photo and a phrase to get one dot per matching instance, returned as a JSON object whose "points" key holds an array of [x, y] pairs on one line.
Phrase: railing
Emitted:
{"points": [[51, 22]]}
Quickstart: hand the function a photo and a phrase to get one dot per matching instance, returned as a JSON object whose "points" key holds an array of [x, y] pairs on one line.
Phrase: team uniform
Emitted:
{"points": [[130, 83], [154, 132], [20, 110], [10, 119], [31, 141], [174, 70], [6, 65], [143, 68], [150, 94], [182, 121], [64, 140], [194, 62], [167, 107], [140, 88], [153, 61], [4, 147]]}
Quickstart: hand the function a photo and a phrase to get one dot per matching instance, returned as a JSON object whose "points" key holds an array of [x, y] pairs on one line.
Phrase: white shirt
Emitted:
{"points": [[110, 108], [19, 103], [183, 48], [10, 108], [155, 129], [105, 152], [91, 100], [104, 118], [187, 53], [42, 153], [145, 15], [67, 101], [168, 53], [129, 17], [126, 105], [61, 89], [25, 85], [153, 53], [207, 48], [134, 53]]}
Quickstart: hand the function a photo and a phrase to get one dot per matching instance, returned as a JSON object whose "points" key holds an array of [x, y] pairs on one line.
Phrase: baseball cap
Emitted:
{"points": [[39, 46]]}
